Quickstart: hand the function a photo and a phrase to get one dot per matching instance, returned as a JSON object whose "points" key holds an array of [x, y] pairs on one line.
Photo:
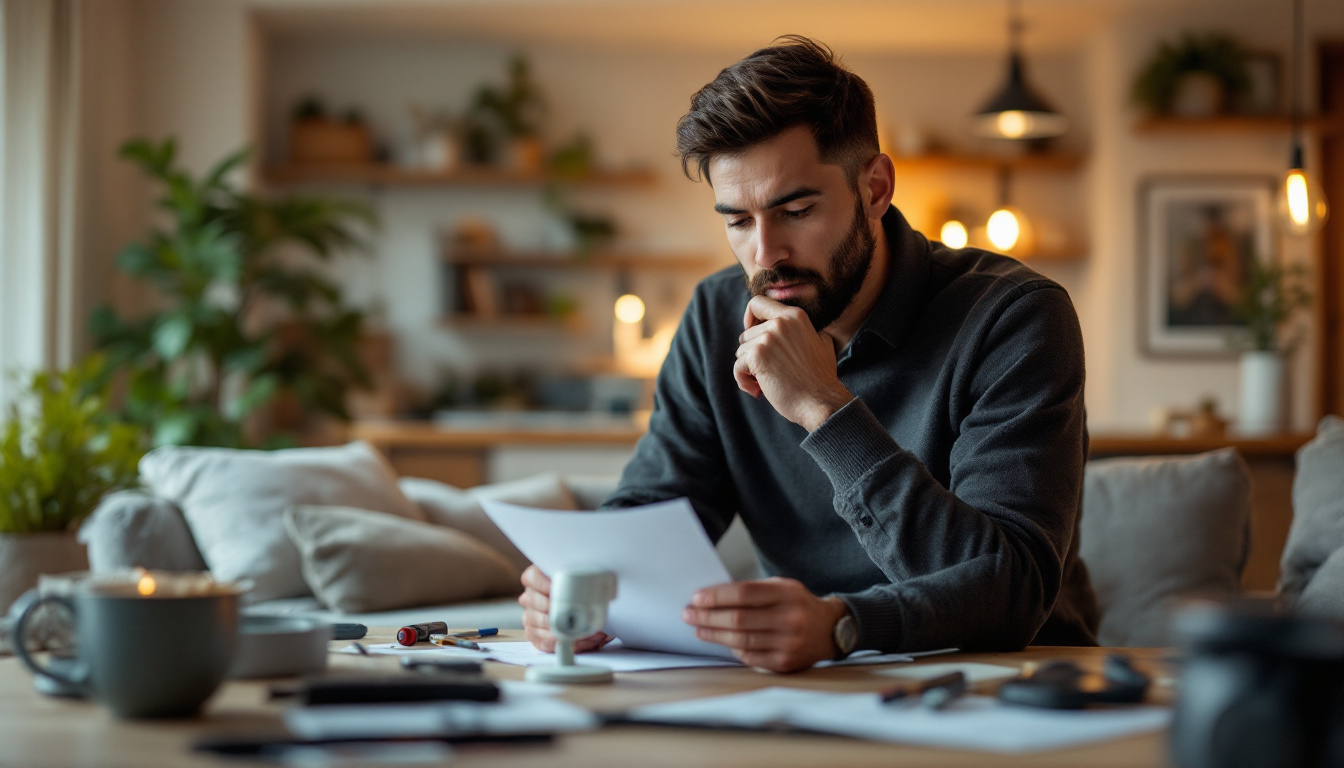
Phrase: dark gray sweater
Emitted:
{"points": [[942, 502]]}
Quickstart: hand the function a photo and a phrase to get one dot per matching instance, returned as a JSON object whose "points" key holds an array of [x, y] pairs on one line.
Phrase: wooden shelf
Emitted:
{"points": [[631, 260], [1227, 124], [1045, 161], [384, 175], [466, 321], [1149, 444]]}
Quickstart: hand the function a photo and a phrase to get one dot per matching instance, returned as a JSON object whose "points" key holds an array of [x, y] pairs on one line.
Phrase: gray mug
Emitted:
{"points": [[159, 656]]}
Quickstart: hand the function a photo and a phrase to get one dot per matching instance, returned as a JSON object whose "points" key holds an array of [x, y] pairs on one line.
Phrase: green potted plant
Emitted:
{"points": [[61, 451], [1270, 299], [1197, 76], [513, 112], [245, 326]]}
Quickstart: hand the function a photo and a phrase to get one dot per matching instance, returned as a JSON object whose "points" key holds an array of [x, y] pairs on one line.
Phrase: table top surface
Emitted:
{"points": [[39, 731]]}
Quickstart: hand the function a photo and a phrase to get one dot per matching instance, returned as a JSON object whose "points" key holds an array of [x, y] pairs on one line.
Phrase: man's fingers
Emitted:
{"points": [[756, 330], [734, 619], [533, 578], [745, 380], [534, 601], [739, 594], [762, 308], [740, 641]]}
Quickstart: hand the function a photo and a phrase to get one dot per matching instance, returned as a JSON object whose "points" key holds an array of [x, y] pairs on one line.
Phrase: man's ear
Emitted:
{"points": [[877, 185]]}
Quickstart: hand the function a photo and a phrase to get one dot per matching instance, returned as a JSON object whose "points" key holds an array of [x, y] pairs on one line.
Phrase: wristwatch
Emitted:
{"points": [[846, 635]]}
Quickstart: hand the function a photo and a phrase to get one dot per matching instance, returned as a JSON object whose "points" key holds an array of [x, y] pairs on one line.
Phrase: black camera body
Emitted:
{"points": [[1259, 689]]}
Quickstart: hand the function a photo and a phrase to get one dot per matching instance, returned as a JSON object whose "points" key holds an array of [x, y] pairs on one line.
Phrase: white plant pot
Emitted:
{"points": [[26, 556], [1263, 405], [1198, 94]]}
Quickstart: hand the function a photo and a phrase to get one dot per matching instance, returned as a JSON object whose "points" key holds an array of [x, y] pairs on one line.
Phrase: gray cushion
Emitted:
{"points": [[234, 502], [359, 561], [1324, 595], [445, 505], [1154, 529], [137, 529], [1318, 509]]}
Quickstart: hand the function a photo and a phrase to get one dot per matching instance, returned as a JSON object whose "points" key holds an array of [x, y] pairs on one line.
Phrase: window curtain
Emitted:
{"points": [[39, 155]]}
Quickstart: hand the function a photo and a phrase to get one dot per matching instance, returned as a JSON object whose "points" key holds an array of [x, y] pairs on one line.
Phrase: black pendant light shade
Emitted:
{"points": [[1017, 111]]}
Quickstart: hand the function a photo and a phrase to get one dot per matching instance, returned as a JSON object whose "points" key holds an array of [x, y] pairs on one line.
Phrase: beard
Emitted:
{"points": [[849, 265]]}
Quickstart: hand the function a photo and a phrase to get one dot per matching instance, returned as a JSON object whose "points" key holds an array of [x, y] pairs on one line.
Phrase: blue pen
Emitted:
{"points": [[488, 631]]}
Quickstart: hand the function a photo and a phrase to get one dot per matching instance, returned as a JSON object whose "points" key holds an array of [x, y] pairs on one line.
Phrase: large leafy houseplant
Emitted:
{"points": [[244, 320], [62, 451]]}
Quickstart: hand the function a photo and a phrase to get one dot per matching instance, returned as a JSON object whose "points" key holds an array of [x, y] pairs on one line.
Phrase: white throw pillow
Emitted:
{"points": [[234, 502], [358, 561], [445, 505]]}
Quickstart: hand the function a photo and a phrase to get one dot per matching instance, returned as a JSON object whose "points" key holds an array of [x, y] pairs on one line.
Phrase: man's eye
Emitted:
{"points": [[739, 223], [798, 214]]}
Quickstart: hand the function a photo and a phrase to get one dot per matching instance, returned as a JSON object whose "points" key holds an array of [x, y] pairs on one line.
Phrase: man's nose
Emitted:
{"points": [[771, 248]]}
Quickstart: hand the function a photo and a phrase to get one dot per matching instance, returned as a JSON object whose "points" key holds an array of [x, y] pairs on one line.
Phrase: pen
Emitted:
{"points": [[939, 697], [360, 647], [898, 692], [453, 640], [486, 632]]}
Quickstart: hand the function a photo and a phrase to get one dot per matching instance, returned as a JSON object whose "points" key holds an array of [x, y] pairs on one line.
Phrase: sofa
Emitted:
{"points": [[331, 532]]}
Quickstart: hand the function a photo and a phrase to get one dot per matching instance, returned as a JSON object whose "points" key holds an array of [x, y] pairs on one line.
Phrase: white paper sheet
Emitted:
{"points": [[614, 655], [659, 553], [972, 722]]}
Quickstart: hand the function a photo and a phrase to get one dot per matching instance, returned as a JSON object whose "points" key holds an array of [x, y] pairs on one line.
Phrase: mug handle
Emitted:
{"points": [[70, 675]]}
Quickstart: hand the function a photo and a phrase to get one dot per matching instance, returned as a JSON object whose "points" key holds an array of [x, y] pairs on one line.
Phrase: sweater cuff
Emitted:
{"points": [[877, 617], [849, 444]]}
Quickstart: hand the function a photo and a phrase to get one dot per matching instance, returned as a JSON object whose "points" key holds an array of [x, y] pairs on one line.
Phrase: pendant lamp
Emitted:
{"points": [[1301, 203], [1017, 111]]}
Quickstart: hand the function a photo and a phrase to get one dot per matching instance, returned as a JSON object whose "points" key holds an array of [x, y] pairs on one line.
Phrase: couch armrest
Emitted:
{"points": [[136, 528]]}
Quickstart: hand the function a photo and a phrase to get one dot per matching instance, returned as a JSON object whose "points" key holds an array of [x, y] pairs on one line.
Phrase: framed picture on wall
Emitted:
{"points": [[1197, 236]]}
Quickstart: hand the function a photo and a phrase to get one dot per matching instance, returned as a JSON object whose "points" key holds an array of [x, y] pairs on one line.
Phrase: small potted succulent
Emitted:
{"points": [[1198, 76], [61, 452]]}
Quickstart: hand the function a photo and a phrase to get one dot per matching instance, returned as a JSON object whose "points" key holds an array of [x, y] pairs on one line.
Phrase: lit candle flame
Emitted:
{"points": [[146, 585]]}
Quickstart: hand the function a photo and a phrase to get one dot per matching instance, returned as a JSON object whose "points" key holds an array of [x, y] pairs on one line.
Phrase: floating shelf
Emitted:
{"points": [[1045, 161], [467, 321], [382, 174], [631, 260], [1229, 124]]}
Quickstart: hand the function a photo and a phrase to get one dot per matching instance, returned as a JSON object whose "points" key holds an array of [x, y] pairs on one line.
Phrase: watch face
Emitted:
{"points": [[846, 635]]}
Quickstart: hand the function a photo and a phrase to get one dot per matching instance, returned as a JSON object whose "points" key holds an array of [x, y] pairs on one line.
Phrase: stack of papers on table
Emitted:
{"points": [[615, 656], [972, 722]]}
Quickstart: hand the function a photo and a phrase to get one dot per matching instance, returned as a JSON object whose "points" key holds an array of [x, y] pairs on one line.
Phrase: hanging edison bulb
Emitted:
{"points": [[1301, 202]]}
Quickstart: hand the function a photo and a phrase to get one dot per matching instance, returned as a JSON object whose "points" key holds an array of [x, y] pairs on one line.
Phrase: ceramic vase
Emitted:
{"points": [[1263, 404], [26, 556], [1198, 94]]}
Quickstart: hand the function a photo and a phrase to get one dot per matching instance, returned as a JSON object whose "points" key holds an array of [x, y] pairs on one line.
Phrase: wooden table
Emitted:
{"points": [[38, 731]]}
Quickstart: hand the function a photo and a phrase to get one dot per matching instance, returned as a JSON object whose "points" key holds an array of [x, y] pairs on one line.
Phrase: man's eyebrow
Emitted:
{"points": [[728, 210]]}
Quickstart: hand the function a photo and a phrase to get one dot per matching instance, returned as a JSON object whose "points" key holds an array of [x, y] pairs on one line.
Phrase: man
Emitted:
{"points": [[899, 424]]}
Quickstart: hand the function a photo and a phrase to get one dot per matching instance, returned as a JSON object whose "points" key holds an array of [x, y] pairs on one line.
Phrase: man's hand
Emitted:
{"points": [[780, 355], [775, 624], [536, 602]]}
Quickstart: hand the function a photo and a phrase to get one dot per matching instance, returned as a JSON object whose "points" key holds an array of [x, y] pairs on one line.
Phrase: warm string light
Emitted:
{"points": [[954, 234], [1003, 229], [146, 586]]}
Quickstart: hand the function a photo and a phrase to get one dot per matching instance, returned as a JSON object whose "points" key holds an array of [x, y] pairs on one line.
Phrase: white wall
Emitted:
{"points": [[194, 61]]}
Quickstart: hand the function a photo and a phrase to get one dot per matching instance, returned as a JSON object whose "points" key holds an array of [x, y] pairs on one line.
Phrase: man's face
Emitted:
{"points": [[795, 225]]}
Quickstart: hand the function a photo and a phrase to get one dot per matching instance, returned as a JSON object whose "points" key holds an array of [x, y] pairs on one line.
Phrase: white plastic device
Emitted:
{"points": [[579, 601]]}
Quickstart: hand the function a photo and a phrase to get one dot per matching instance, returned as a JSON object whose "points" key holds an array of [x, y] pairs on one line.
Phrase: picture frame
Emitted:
{"points": [[1196, 235]]}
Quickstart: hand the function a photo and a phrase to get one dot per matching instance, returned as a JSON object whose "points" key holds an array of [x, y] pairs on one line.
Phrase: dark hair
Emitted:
{"points": [[796, 81]]}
